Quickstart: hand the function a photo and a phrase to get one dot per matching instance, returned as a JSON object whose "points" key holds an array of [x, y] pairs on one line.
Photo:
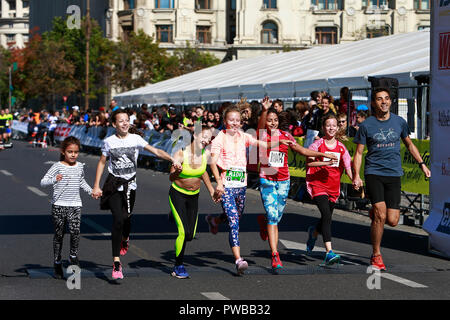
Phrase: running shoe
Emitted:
{"points": [[241, 266], [377, 262], [73, 261], [213, 228], [331, 258], [180, 272], [58, 271], [311, 240], [124, 247], [117, 271], [263, 227], [276, 262]]}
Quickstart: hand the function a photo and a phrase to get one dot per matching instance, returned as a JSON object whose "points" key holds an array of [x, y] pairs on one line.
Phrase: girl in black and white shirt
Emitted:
{"points": [[118, 192], [67, 177]]}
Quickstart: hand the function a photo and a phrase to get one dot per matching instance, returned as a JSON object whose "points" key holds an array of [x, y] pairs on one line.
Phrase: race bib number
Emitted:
{"points": [[338, 156], [276, 159], [235, 178]]}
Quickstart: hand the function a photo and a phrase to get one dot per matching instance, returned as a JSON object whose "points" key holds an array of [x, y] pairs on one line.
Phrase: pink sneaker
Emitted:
{"points": [[117, 273], [124, 247], [213, 228], [241, 266]]}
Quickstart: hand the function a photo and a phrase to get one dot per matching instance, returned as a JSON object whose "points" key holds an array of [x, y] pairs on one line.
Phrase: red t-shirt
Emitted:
{"points": [[326, 180], [274, 161]]}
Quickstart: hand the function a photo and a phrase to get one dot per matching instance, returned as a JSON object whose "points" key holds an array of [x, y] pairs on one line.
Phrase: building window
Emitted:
{"points": [[204, 34], [422, 4], [25, 38], [423, 27], [25, 4], [233, 4], [128, 4], [377, 32], [164, 4], [375, 3], [327, 4], [203, 4], [10, 38], [326, 35], [270, 4], [12, 5], [164, 33], [269, 33]]}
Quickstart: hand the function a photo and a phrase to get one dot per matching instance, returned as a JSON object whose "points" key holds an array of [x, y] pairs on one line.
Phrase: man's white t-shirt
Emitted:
{"points": [[123, 155]]}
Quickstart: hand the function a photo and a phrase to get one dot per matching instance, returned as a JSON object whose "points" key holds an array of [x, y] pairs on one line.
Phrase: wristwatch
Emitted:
{"points": [[420, 164]]}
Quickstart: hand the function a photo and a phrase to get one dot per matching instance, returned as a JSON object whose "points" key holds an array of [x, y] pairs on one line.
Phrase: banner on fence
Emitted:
{"points": [[413, 179], [438, 222]]}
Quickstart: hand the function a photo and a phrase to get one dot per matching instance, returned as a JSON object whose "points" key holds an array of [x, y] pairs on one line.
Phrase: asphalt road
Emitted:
{"points": [[26, 233]]}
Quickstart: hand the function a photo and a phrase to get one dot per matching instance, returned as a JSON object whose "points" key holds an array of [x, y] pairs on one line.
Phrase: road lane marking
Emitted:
{"points": [[214, 296], [398, 279], [37, 191], [141, 253], [6, 173], [302, 246], [50, 162], [99, 228]]}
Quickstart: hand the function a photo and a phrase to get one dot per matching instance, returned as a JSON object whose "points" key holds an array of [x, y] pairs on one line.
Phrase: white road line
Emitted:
{"points": [[37, 191], [406, 282], [302, 246], [6, 173], [214, 296], [96, 226], [49, 162]]}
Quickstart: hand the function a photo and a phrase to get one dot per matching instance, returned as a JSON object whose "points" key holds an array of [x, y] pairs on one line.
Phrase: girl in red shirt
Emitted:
{"points": [[323, 181]]}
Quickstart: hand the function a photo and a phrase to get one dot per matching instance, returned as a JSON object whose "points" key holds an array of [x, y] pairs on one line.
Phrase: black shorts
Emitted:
{"points": [[2, 130], [384, 189]]}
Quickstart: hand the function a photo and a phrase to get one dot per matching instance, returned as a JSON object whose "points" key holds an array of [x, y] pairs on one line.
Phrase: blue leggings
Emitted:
{"points": [[273, 196], [233, 202]]}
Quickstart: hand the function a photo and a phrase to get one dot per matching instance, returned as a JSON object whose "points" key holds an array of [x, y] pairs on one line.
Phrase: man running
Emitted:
{"points": [[382, 133]]}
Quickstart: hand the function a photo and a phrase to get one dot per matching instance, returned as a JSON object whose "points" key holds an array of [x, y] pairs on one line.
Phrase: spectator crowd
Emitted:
{"points": [[305, 115]]}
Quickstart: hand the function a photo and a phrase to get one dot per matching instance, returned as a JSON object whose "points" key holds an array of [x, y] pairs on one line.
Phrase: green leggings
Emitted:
{"points": [[185, 212]]}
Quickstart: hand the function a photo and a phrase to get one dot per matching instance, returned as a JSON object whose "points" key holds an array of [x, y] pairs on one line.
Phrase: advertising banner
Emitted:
{"points": [[438, 222], [413, 179]]}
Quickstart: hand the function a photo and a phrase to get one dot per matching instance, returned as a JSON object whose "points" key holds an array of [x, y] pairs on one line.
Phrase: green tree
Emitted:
{"points": [[192, 59], [4, 76]]}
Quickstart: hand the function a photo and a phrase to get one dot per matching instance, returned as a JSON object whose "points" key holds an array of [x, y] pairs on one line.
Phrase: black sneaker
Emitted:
{"points": [[58, 271], [74, 261]]}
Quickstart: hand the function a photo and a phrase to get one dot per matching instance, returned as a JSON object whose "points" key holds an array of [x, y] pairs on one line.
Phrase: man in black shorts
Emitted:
{"points": [[382, 133]]}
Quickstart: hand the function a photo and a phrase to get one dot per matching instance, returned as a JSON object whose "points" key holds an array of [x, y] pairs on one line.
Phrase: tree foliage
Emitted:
{"points": [[54, 64]]}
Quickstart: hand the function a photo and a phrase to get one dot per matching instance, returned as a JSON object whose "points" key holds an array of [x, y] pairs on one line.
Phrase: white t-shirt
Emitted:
{"points": [[149, 125], [52, 120], [123, 155]]}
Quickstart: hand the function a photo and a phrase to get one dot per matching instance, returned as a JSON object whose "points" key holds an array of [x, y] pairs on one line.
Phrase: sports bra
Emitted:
{"points": [[188, 171]]}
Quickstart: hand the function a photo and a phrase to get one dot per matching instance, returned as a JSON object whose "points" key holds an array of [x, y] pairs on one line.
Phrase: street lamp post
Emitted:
{"points": [[88, 34]]}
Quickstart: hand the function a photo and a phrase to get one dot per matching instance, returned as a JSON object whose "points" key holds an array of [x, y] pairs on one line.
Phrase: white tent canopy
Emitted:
{"points": [[293, 75]]}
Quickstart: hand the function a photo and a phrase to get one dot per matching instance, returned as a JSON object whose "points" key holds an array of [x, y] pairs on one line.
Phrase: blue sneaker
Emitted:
{"points": [[180, 272], [311, 240], [331, 258]]}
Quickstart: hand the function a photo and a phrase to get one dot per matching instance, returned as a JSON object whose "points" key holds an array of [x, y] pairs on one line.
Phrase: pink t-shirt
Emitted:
{"points": [[232, 150]]}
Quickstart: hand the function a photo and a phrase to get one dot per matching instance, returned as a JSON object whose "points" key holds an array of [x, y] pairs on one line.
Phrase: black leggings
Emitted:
{"points": [[63, 216], [185, 211], [326, 210], [121, 224]]}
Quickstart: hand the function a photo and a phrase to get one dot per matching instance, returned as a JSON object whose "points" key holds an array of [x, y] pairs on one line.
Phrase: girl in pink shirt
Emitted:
{"points": [[228, 152]]}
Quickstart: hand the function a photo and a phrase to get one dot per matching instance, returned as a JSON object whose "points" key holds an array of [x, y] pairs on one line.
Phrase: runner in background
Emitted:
{"points": [[119, 190], [382, 133], [323, 182], [184, 193], [67, 177], [274, 176], [228, 153]]}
